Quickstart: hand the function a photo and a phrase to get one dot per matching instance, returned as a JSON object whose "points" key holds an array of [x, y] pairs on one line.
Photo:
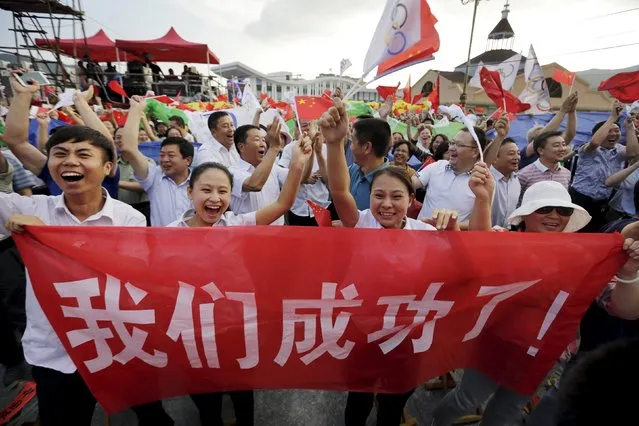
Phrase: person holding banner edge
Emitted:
{"points": [[546, 207], [391, 194]]}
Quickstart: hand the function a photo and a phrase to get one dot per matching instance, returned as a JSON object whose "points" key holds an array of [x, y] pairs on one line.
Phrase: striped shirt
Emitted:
{"points": [[22, 178], [537, 172]]}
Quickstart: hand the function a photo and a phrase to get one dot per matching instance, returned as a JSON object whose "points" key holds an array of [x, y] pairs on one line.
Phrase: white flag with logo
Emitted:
{"points": [[536, 91], [397, 31], [249, 101], [344, 65], [507, 70]]}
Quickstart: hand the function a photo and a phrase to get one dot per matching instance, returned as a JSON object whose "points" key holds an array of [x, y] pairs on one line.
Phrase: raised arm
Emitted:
{"points": [[616, 179], [632, 145], [260, 175], [130, 150], [300, 157], [43, 130], [571, 125], [483, 185], [502, 126], [334, 125], [556, 121], [16, 132], [148, 129], [600, 135]]}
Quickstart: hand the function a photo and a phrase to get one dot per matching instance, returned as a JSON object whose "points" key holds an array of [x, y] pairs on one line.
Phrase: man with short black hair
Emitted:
{"points": [[166, 183], [177, 122], [257, 180], [551, 149], [222, 148], [446, 182], [370, 141]]}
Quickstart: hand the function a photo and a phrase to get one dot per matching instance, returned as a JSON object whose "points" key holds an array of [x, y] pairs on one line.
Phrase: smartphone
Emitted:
{"points": [[33, 75]]}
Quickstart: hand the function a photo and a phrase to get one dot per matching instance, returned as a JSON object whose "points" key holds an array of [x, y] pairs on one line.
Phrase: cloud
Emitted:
{"points": [[294, 18]]}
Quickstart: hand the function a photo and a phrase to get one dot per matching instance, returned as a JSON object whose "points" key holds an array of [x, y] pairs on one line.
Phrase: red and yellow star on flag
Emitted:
{"points": [[312, 107]]}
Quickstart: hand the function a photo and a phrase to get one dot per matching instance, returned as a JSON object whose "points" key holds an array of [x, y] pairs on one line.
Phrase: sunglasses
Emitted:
{"points": [[561, 211]]}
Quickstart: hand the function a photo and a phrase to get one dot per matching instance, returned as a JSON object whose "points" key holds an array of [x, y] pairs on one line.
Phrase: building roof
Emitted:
{"points": [[453, 76], [38, 6], [502, 30], [491, 57]]}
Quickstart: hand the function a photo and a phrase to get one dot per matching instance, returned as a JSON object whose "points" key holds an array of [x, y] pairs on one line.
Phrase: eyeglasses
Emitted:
{"points": [[460, 145], [561, 211]]}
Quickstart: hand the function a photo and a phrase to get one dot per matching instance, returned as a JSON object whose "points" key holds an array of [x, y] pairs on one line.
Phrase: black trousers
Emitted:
{"points": [[596, 208], [210, 407], [296, 220], [12, 310], [390, 408], [64, 399]]}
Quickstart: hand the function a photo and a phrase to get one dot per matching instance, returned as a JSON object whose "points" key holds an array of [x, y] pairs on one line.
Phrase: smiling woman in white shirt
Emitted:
{"points": [[210, 191], [391, 194]]}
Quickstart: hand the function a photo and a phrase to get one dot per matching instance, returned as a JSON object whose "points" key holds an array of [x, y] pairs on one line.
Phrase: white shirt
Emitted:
{"points": [[247, 202], [168, 200], [40, 343], [317, 192], [228, 219], [217, 153], [446, 190], [367, 220], [624, 200], [506, 197]]}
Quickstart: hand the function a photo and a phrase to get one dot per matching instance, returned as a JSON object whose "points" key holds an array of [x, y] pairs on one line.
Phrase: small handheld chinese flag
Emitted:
{"points": [[322, 216], [312, 107], [386, 91], [563, 76], [115, 87]]}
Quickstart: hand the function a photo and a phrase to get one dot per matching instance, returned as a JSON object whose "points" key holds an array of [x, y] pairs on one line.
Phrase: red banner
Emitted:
{"points": [[149, 313]]}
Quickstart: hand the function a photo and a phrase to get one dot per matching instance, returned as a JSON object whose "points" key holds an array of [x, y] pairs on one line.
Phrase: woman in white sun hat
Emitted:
{"points": [[546, 207]]}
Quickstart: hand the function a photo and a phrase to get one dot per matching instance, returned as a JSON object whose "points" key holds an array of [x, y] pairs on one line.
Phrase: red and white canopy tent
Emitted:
{"points": [[169, 48], [99, 47]]}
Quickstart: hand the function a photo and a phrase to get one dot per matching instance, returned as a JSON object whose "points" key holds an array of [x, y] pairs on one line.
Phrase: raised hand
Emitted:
{"points": [[386, 108], [17, 222], [502, 126], [302, 151], [631, 246], [443, 219], [85, 96], [43, 118], [617, 108], [17, 87], [481, 182], [273, 134], [334, 122], [137, 103]]}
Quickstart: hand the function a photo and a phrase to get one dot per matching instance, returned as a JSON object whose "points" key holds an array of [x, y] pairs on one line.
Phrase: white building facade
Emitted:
{"points": [[278, 83]]}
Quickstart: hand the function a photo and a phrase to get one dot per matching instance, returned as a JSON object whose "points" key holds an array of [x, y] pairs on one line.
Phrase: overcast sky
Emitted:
{"points": [[308, 37]]}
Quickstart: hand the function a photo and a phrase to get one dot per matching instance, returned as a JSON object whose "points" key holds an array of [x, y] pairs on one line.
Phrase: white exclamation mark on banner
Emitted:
{"points": [[550, 317]]}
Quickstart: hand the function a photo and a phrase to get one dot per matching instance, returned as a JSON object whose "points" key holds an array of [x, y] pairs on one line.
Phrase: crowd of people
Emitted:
{"points": [[95, 174]]}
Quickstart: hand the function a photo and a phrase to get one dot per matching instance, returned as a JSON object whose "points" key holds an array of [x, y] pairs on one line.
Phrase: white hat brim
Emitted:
{"points": [[578, 220]]}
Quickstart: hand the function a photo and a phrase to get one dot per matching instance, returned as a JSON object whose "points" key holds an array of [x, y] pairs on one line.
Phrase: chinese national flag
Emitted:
{"points": [[407, 90], [115, 87], [322, 216], [434, 96], [312, 107], [386, 91], [491, 82], [623, 86], [563, 76], [416, 98]]}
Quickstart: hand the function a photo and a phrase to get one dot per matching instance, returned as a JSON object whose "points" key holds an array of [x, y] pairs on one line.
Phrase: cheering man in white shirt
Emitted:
{"points": [[167, 183], [222, 150], [79, 159], [257, 180], [447, 181]]}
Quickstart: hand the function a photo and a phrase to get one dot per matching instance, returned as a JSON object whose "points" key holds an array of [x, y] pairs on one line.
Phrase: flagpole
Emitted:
{"points": [[462, 97]]}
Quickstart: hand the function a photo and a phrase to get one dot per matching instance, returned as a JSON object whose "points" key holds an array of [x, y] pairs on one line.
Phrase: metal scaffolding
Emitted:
{"points": [[29, 19]]}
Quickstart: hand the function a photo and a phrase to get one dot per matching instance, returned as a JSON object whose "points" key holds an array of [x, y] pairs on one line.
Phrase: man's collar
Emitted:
{"points": [[219, 145], [107, 209], [370, 174], [542, 168], [244, 165], [499, 175], [451, 168], [188, 178]]}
